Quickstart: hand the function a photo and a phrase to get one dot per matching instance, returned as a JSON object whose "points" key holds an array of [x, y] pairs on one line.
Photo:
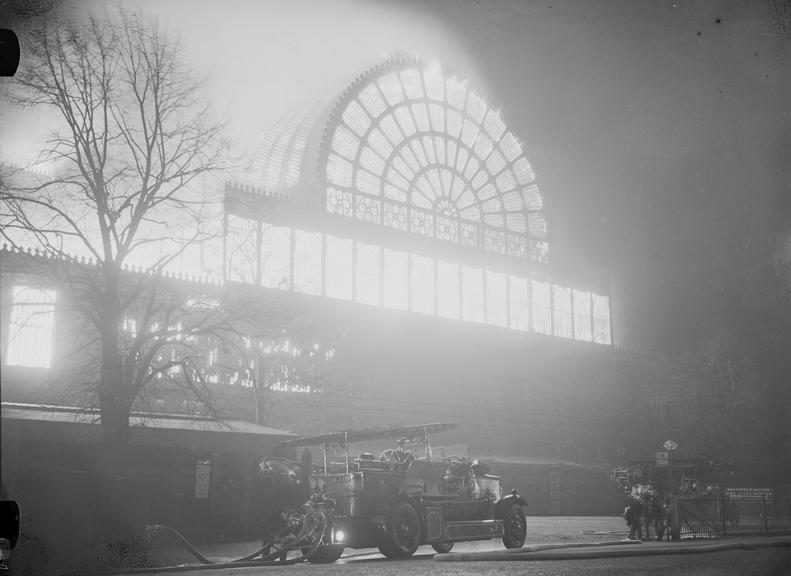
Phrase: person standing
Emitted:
{"points": [[634, 518]]}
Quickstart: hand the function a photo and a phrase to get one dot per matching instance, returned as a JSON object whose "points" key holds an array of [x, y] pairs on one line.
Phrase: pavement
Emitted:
{"points": [[616, 549], [223, 554]]}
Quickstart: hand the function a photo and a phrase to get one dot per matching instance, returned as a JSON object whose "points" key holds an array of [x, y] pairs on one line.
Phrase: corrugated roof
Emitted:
{"points": [[370, 434], [76, 415]]}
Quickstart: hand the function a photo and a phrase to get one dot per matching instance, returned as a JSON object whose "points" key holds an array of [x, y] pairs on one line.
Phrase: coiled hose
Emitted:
{"points": [[268, 559]]}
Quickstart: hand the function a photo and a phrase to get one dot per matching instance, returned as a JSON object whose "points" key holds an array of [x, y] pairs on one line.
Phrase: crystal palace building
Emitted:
{"points": [[405, 217], [406, 232]]}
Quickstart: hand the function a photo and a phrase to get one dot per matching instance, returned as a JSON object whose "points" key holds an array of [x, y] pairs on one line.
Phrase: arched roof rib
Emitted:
{"points": [[410, 147], [281, 161]]}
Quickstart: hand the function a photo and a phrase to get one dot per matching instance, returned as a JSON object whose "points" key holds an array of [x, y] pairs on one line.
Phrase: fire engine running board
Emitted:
{"points": [[468, 530]]}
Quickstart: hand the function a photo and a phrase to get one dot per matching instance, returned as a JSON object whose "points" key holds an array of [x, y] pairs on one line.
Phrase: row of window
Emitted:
{"points": [[286, 367], [30, 327], [314, 263], [286, 258]]}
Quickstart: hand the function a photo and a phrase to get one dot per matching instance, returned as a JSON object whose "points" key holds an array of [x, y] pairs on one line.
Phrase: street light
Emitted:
{"points": [[670, 446]]}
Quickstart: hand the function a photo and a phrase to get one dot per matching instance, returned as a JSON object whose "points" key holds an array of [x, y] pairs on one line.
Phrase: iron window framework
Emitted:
{"points": [[411, 148]]}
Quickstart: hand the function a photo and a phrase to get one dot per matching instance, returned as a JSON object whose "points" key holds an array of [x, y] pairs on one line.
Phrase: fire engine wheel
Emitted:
{"points": [[442, 547], [514, 527], [403, 531], [325, 554]]}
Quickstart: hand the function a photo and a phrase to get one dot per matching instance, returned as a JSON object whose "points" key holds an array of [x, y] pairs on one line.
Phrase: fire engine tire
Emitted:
{"points": [[442, 547], [514, 527], [404, 531], [326, 554]]}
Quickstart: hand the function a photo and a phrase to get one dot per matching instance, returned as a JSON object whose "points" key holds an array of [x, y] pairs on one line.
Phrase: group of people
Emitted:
{"points": [[647, 515]]}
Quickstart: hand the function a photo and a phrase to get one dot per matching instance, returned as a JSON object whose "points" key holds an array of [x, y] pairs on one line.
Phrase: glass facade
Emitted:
{"points": [[369, 274], [240, 255], [276, 257], [307, 265], [448, 290], [414, 151], [338, 268], [396, 279], [31, 327]]}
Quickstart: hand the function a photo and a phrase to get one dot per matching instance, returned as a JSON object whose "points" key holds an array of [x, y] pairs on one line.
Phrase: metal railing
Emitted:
{"points": [[718, 515]]}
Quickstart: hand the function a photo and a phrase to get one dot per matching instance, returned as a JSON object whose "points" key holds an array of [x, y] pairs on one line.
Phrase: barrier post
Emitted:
{"points": [[675, 519], [721, 512], [766, 516]]}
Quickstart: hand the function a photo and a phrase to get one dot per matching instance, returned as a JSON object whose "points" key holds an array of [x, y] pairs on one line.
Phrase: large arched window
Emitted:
{"points": [[412, 149]]}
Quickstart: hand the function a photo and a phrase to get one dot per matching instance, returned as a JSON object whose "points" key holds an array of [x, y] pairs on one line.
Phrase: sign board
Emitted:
{"points": [[663, 459], [739, 493], [202, 478], [669, 445], [621, 473]]}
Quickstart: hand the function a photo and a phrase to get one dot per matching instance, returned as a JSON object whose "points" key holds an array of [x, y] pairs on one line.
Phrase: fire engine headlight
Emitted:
{"points": [[340, 536]]}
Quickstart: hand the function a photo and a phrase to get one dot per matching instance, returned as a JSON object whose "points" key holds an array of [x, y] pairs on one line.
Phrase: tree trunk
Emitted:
{"points": [[114, 400]]}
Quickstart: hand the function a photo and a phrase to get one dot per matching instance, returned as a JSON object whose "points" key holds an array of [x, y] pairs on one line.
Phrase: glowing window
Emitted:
{"points": [[456, 93], [345, 142], [496, 299], [338, 268], [240, 249], [494, 125], [524, 174], [537, 225], [372, 100], [476, 107], [30, 329], [369, 160], [448, 295], [391, 88], [519, 304], [404, 118], [339, 201], [368, 274], [511, 147], [540, 307], [582, 315], [561, 312], [430, 143], [307, 262], [601, 320], [413, 86], [379, 143], [420, 112], [396, 280], [472, 294], [339, 171], [276, 257], [422, 284], [356, 118], [435, 85]]}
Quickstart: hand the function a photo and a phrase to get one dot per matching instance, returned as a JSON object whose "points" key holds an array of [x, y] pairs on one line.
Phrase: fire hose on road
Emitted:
{"points": [[305, 530]]}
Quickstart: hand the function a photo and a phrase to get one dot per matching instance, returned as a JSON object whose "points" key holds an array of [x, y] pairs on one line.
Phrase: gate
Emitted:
{"points": [[716, 516]]}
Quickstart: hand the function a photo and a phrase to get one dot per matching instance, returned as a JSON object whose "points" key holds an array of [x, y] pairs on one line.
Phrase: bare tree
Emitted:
{"points": [[134, 142]]}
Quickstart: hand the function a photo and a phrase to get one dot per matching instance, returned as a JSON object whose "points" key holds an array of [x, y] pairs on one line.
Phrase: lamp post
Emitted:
{"points": [[670, 446]]}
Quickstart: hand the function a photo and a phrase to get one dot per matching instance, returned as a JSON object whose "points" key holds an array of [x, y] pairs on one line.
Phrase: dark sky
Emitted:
{"points": [[659, 131]]}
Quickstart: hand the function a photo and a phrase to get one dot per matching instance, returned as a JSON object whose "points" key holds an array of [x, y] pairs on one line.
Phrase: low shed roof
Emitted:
{"points": [[147, 428]]}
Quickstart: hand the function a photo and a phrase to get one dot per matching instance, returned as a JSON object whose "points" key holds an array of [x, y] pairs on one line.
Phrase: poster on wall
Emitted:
{"points": [[202, 478]]}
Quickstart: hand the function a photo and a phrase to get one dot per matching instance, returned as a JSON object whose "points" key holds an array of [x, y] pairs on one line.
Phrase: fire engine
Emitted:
{"points": [[399, 499]]}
